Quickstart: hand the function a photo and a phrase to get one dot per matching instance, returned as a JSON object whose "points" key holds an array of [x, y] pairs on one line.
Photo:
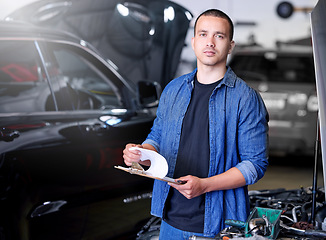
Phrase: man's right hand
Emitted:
{"points": [[130, 156]]}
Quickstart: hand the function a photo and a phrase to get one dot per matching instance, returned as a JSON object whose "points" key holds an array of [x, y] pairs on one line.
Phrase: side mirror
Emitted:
{"points": [[149, 93]]}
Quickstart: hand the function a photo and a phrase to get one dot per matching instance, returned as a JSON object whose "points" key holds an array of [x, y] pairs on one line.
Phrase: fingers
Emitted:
{"points": [[181, 181], [190, 188], [185, 190], [130, 156], [180, 184]]}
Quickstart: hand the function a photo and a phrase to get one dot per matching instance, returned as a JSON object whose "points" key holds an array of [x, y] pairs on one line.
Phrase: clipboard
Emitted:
{"points": [[148, 175]]}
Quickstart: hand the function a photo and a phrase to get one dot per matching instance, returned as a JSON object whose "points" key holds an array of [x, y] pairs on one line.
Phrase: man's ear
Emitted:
{"points": [[193, 43], [232, 44]]}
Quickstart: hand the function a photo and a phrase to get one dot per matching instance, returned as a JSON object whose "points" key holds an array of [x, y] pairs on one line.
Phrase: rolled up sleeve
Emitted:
{"points": [[253, 139]]}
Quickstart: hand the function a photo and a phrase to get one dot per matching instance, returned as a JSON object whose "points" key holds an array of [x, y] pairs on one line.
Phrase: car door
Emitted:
{"points": [[109, 116], [35, 177]]}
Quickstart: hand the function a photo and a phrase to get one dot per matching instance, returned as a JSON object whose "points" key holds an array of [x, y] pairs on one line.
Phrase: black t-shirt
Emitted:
{"points": [[193, 159]]}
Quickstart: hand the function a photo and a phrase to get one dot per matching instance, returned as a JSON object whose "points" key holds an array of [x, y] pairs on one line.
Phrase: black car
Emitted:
{"points": [[65, 117], [144, 38], [285, 78]]}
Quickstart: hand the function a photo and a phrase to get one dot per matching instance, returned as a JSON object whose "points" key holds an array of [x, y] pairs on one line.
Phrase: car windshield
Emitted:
{"points": [[274, 68]]}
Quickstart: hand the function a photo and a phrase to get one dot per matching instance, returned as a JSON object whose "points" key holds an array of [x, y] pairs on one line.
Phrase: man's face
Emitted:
{"points": [[212, 42]]}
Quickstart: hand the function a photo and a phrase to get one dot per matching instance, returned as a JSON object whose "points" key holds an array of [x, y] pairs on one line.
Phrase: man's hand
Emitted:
{"points": [[130, 156], [193, 186]]}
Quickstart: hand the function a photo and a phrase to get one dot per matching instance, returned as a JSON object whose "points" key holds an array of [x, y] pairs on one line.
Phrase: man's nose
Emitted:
{"points": [[210, 42]]}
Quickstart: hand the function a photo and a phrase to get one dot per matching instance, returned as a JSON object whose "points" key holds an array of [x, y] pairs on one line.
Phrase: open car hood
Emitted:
{"points": [[318, 19], [144, 39]]}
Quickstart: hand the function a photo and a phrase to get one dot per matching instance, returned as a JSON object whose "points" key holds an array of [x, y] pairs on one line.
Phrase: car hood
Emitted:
{"points": [[319, 47], [144, 39]]}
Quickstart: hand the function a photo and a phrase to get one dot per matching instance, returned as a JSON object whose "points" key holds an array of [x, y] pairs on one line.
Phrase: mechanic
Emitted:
{"points": [[212, 129]]}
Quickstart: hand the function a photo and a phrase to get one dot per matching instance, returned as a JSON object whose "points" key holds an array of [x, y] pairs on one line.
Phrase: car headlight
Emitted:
{"points": [[297, 99]]}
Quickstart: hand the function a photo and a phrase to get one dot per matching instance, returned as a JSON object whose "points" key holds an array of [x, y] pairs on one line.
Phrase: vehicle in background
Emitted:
{"points": [[65, 117], [285, 78], [144, 39], [67, 109]]}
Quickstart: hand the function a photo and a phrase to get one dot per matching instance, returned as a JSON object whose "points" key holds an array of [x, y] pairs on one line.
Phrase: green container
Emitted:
{"points": [[273, 216]]}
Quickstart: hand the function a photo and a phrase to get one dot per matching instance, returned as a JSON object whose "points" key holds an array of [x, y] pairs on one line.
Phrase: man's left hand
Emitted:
{"points": [[193, 186]]}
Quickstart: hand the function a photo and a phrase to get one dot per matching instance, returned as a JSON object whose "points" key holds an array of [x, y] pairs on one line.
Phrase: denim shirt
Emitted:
{"points": [[238, 126]]}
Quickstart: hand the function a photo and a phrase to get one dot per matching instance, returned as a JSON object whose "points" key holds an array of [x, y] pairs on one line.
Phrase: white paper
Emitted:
{"points": [[159, 166]]}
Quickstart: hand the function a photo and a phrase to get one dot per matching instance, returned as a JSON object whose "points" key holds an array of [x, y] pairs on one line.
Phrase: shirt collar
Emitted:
{"points": [[228, 80]]}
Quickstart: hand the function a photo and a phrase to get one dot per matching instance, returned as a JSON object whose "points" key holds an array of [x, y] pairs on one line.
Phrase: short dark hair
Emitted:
{"points": [[216, 13]]}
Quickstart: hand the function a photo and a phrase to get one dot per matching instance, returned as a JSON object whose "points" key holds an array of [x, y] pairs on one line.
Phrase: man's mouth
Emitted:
{"points": [[209, 52]]}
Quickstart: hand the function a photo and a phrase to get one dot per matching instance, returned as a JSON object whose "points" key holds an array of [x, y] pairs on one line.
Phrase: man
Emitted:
{"points": [[212, 129]]}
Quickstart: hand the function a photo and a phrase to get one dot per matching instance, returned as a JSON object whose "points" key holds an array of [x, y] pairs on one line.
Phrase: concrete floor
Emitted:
{"points": [[289, 173]]}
